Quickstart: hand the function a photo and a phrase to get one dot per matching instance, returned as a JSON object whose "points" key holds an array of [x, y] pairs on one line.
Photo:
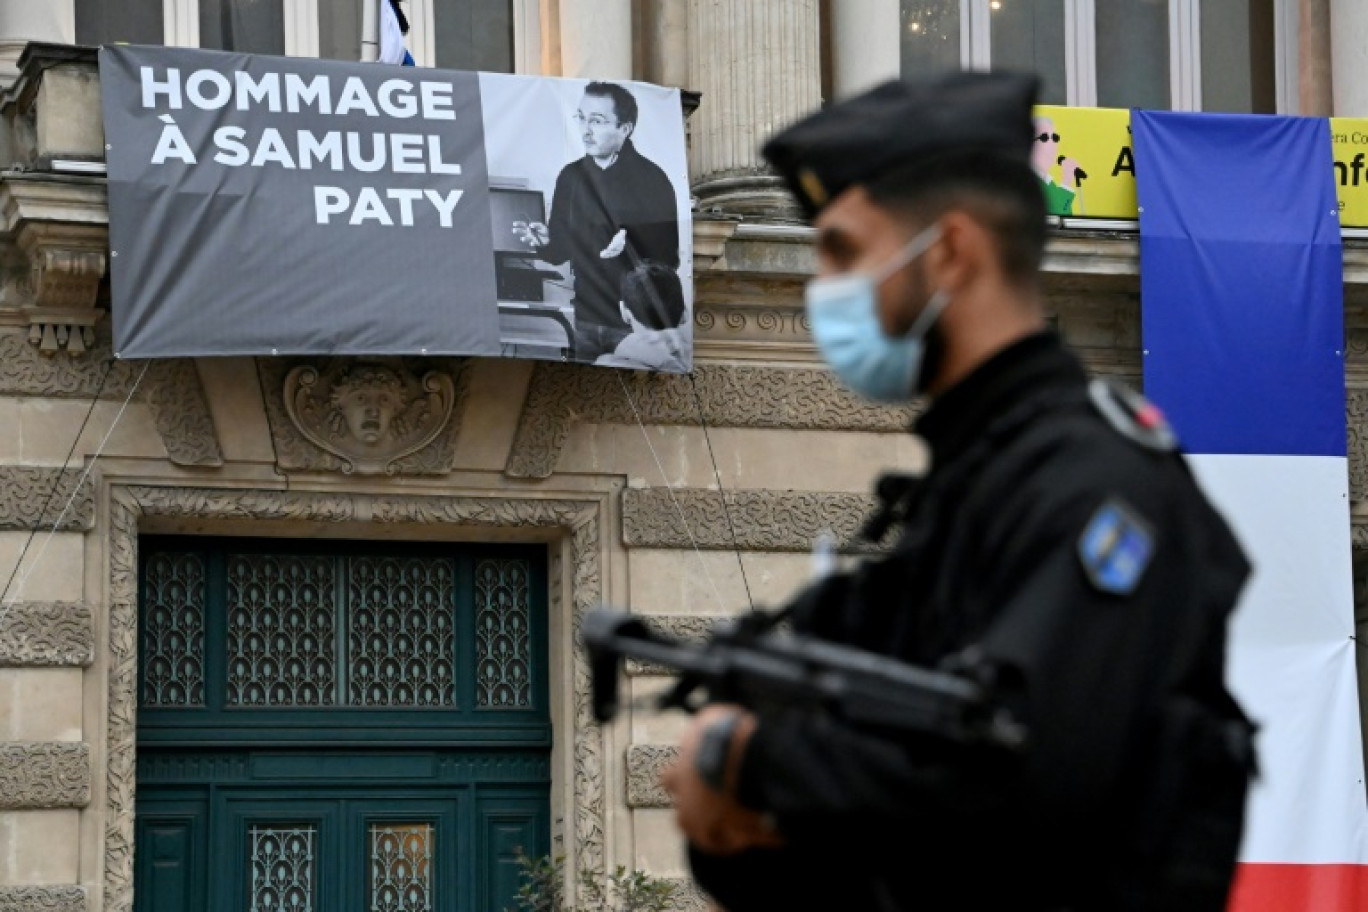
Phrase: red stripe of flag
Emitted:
{"points": [[1300, 888]]}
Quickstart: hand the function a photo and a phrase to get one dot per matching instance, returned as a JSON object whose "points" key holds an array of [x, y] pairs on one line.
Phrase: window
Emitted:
{"points": [[1214, 55], [454, 34]]}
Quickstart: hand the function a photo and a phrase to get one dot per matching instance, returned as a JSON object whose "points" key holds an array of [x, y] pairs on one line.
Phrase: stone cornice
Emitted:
{"points": [[686, 518], [47, 634], [48, 774]]}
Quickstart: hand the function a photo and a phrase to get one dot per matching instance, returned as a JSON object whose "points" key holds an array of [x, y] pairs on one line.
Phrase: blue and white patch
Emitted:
{"points": [[1116, 548]]}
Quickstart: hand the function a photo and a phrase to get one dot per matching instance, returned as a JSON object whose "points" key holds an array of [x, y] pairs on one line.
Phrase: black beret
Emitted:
{"points": [[901, 123]]}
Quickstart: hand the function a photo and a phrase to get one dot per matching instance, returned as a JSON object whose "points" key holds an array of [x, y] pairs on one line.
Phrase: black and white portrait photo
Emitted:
{"points": [[593, 251]]}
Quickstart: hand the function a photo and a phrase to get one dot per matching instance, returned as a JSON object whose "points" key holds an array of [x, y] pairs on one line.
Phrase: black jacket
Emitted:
{"points": [[590, 205], [990, 553]]}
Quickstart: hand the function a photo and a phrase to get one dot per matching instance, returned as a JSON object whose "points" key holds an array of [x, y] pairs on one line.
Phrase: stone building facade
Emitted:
{"points": [[685, 498]]}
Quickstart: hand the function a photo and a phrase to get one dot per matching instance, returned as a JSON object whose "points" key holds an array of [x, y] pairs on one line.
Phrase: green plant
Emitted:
{"points": [[543, 889]]}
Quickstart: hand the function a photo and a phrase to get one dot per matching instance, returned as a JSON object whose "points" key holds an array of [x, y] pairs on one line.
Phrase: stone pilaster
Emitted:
{"points": [[758, 65], [865, 45], [596, 39]]}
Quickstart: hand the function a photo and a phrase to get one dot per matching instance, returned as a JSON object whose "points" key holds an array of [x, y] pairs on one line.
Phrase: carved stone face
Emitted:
{"points": [[369, 399], [368, 413]]}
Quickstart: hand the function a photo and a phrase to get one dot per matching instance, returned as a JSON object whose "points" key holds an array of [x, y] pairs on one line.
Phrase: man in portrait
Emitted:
{"points": [[612, 210]]}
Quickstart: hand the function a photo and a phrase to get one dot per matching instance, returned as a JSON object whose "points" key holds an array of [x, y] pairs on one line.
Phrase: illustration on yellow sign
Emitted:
{"points": [[1084, 161]]}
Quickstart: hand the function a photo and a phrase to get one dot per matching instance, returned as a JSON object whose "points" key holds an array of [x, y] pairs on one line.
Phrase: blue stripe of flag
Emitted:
{"points": [[1241, 278]]}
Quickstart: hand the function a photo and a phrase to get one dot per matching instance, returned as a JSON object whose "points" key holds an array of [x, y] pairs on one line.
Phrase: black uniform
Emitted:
{"points": [[1090, 571], [590, 205]]}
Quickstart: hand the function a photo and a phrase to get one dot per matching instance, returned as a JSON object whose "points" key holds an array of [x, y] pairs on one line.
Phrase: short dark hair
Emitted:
{"points": [[1002, 194], [624, 104], [653, 293]]}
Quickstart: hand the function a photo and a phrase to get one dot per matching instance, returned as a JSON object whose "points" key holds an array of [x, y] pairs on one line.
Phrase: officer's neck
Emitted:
{"points": [[980, 322]]}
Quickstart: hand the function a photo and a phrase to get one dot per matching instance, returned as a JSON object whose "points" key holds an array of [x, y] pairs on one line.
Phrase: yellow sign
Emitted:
{"points": [[1086, 163], [1084, 160], [1349, 136]]}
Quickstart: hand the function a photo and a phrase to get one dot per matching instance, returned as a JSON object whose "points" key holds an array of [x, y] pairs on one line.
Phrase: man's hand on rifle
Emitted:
{"points": [[710, 818]]}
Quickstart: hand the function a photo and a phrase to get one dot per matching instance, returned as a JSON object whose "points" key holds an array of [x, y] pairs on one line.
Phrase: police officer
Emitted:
{"points": [[1057, 545]]}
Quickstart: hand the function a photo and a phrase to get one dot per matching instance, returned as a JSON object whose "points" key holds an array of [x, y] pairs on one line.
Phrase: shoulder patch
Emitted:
{"points": [[1115, 548], [1134, 416]]}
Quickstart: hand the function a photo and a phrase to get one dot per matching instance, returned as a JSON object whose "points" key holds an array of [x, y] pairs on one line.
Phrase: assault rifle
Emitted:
{"points": [[750, 662]]}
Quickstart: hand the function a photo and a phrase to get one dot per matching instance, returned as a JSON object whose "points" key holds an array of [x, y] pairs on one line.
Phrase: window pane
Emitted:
{"points": [[1133, 54], [282, 868], [1237, 56], [106, 21], [254, 26], [930, 36], [401, 867], [173, 596], [339, 29], [503, 623], [282, 617], [401, 637], [1028, 35], [474, 35]]}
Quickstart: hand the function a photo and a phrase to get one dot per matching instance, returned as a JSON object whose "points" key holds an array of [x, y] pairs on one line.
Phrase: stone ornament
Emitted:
{"points": [[43, 899], [51, 774], [47, 634], [370, 414]]}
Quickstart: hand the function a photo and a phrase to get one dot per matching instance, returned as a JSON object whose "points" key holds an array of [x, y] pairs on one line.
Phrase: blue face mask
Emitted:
{"points": [[844, 313]]}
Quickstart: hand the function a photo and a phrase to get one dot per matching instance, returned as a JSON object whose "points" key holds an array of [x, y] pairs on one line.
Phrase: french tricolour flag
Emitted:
{"points": [[393, 28], [1242, 302]]}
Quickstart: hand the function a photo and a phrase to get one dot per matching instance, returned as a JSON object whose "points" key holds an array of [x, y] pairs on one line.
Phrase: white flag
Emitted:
{"points": [[392, 49]]}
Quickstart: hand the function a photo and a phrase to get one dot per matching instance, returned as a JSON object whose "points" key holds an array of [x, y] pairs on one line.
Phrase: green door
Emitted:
{"points": [[339, 726]]}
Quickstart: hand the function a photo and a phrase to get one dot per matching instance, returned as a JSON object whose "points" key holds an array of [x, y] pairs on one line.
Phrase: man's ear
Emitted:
{"points": [[962, 251]]}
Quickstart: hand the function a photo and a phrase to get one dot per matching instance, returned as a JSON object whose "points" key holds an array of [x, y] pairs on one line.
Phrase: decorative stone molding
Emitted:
{"points": [[688, 627], [49, 774], [368, 413], [176, 399], [645, 763], [1356, 408], [24, 372], [579, 520], [43, 899], [25, 491], [729, 395], [688, 898], [47, 634], [762, 520], [60, 231], [311, 431]]}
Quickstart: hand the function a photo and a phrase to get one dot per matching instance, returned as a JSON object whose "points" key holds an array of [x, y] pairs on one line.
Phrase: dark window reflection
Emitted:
{"points": [[339, 29], [254, 26], [108, 21], [930, 32], [474, 35], [1133, 54], [1028, 35], [1238, 72]]}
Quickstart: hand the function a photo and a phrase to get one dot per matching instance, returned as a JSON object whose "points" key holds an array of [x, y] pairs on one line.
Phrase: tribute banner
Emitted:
{"points": [[267, 205]]}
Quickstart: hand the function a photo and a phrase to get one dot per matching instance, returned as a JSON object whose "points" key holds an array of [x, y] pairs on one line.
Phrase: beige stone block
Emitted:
{"points": [[659, 848], [232, 390], [48, 426], [492, 409], [39, 847], [710, 582], [69, 121], [53, 568], [40, 704], [649, 725], [11, 449], [746, 457]]}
